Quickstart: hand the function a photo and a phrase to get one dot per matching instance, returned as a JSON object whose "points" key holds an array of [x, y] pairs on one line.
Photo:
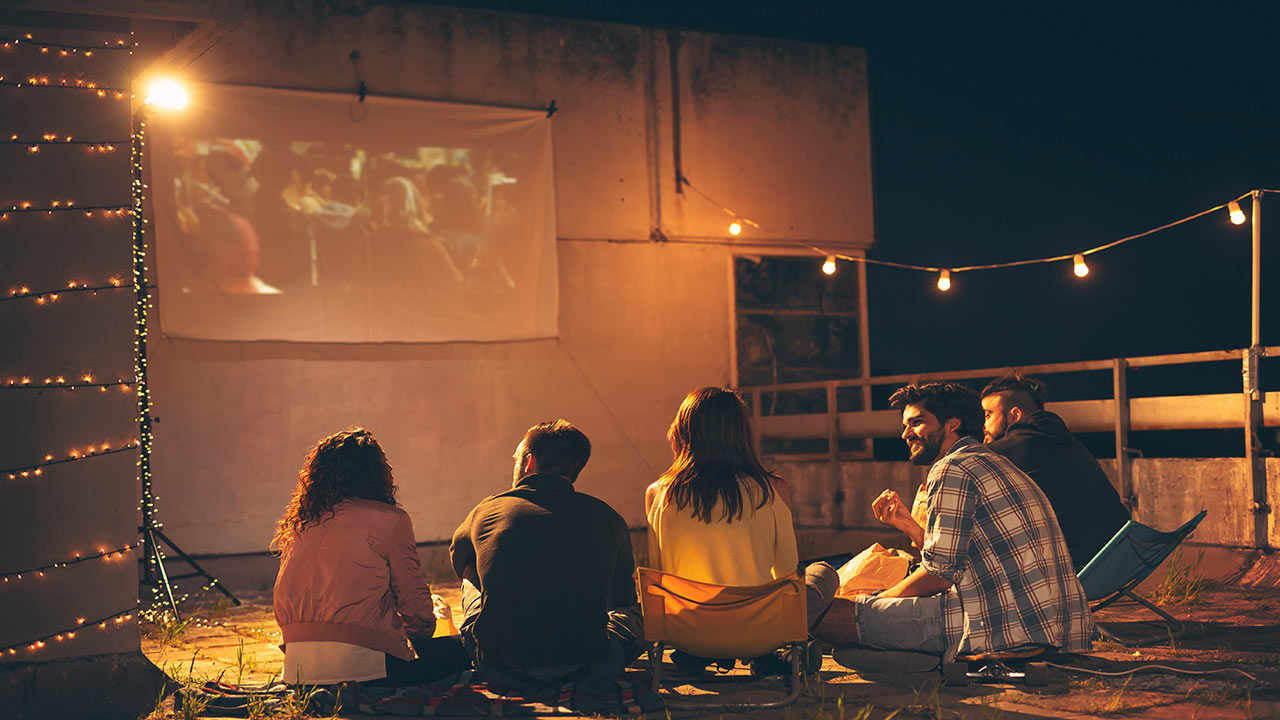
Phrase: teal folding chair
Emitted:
{"points": [[1126, 560]]}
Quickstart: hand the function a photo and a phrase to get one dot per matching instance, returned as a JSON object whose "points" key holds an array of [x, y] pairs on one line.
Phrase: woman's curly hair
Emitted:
{"points": [[348, 464]]}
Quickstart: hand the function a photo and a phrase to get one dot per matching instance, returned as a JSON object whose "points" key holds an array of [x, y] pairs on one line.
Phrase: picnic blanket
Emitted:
{"points": [[461, 695]]}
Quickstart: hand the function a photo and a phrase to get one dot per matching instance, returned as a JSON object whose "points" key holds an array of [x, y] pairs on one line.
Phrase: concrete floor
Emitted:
{"points": [[1233, 626]]}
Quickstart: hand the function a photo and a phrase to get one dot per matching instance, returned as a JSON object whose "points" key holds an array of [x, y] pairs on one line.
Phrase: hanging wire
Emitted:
{"points": [[1032, 261]]}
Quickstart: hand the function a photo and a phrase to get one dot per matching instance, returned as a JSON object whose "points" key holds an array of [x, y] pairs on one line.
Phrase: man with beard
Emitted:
{"points": [[1017, 426], [994, 571]]}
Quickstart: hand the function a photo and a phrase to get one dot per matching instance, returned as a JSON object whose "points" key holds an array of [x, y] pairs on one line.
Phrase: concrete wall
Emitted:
{"points": [[83, 506], [1170, 491], [774, 129]]}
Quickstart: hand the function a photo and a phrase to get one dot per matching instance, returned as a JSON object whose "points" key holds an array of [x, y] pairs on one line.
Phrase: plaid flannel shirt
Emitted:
{"points": [[992, 533]]}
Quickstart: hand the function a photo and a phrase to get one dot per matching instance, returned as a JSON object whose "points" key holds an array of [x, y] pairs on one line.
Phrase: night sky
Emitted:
{"points": [[1002, 134]]}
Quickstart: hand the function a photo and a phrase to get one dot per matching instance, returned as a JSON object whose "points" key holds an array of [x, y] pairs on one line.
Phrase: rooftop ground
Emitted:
{"points": [[1230, 627]]}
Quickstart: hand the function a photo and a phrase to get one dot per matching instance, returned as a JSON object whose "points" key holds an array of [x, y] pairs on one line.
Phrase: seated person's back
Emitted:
{"points": [[1017, 426], [551, 562], [547, 571]]}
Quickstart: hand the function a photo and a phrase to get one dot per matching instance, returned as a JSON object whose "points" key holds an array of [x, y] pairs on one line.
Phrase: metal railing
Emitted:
{"points": [[1251, 411]]}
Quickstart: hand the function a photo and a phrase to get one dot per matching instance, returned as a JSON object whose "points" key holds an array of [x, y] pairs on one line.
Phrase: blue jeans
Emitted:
{"points": [[913, 623]]}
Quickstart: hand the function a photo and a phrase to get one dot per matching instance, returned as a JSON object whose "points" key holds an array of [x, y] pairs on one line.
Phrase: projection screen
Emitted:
{"points": [[307, 216]]}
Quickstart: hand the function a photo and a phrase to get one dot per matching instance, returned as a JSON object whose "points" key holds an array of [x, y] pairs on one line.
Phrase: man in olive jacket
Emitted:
{"points": [[1017, 426]]}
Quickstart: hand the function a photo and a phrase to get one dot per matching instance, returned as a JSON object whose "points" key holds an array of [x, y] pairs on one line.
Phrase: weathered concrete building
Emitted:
{"points": [[657, 133]]}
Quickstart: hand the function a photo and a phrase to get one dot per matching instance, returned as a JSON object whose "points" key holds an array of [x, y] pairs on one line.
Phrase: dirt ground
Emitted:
{"points": [[1232, 638]]}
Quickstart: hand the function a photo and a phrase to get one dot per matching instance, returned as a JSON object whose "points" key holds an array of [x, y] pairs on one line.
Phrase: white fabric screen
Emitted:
{"points": [[306, 216]]}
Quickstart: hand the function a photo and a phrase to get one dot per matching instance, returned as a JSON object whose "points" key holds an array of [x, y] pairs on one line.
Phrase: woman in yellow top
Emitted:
{"points": [[718, 516]]}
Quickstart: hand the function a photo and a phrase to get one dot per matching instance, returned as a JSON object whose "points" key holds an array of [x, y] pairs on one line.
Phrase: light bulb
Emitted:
{"points": [[944, 280], [735, 228], [1080, 268], [1237, 215], [167, 94], [829, 267]]}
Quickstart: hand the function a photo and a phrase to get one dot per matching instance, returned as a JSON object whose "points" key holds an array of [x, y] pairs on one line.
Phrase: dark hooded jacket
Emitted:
{"points": [[1089, 509]]}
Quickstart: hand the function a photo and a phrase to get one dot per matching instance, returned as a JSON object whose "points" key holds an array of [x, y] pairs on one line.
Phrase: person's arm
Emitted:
{"points": [[622, 588], [411, 592], [918, 584], [462, 554], [952, 498], [889, 509], [654, 547], [785, 554]]}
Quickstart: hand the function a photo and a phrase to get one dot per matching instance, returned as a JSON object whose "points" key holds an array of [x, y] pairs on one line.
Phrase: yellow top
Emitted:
{"points": [[752, 550]]}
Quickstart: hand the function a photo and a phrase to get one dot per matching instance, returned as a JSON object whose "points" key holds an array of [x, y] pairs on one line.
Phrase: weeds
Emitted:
{"points": [[256, 708], [1182, 584], [296, 704], [1117, 703], [245, 663], [166, 629]]}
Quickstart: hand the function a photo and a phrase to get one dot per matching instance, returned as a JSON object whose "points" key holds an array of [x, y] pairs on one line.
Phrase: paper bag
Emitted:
{"points": [[875, 568]]}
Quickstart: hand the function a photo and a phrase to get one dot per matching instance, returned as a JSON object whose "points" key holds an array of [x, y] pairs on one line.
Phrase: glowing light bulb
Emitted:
{"points": [[1237, 215], [167, 94], [829, 267], [944, 280], [735, 228], [1079, 268]]}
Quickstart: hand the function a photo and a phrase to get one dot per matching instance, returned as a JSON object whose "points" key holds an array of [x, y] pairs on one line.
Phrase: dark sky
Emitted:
{"points": [[1001, 134]]}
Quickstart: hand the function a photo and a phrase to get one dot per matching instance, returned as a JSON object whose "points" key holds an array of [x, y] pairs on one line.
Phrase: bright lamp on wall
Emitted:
{"points": [[167, 93]]}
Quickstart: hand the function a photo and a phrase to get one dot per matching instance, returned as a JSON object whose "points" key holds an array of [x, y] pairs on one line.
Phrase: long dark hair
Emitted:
{"points": [[345, 465], [712, 449]]}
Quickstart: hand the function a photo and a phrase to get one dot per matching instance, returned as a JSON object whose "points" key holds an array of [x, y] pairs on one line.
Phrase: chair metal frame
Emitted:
{"points": [[1151, 556]]}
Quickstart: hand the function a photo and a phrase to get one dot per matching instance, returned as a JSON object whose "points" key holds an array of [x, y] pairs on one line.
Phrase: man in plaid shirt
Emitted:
{"points": [[994, 572]]}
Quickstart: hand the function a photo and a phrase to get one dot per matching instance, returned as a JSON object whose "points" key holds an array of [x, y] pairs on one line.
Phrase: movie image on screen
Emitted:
{"points": [[434, 222]]}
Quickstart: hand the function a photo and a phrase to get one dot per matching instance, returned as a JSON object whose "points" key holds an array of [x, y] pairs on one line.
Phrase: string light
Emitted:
{"points": [[54, 206], [1236, 214], [93, 146], [24, 292], [944, 274], [43, 81], [1079, 268], [108, 555], [73, 455], [944, 280], [829, 267], [738, 222], [61, 383], [104, 623], [85, 50]]}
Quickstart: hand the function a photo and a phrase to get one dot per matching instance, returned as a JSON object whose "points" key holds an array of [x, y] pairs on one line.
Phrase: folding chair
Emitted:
{"points": [[719, 621], [1126, 560]]}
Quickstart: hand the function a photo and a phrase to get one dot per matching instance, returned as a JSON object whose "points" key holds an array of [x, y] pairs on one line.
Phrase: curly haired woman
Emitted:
{"points": [[350, 597]]}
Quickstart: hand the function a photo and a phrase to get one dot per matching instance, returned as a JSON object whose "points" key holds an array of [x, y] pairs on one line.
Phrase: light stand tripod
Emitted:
{"points": [[154, 574]]}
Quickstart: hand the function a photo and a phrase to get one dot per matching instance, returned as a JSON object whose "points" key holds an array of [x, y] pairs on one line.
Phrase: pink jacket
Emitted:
{"points": [[355, 578]]}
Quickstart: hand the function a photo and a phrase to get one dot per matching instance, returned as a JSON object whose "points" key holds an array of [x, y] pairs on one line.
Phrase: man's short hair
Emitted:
{"points": [[1025, 393], [945, 400], [559, 447]]}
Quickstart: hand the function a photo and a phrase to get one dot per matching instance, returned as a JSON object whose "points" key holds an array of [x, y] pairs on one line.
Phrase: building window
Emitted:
{"points": [[796, 324]]}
